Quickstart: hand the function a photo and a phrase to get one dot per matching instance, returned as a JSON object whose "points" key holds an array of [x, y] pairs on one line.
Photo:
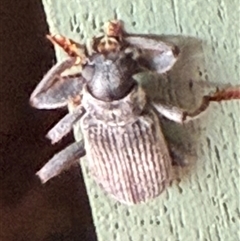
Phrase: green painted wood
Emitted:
{"points": [[203, 203]]}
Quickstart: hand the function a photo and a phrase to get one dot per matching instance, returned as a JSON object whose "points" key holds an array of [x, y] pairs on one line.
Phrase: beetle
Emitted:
{"points": [[122, 138]]}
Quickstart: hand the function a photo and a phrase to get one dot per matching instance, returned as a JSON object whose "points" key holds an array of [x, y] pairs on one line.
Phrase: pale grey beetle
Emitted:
{"points": [[122, 138]]}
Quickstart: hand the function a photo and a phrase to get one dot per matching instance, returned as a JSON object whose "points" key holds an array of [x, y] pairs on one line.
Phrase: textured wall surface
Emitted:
{"points": [[203, 203]]}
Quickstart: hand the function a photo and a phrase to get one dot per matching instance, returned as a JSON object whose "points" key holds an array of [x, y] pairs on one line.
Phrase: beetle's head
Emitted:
{"points": [[109, 72], [111, 67]]}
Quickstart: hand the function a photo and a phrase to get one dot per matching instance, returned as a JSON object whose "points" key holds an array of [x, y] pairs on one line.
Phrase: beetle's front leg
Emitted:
{"points": [[178, 115], [55, 90], [157, 55], [61, 161]]}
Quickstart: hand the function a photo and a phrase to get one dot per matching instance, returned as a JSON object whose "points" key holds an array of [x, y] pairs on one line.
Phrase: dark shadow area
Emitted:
{"points": [[58, 210], [183, 86]]}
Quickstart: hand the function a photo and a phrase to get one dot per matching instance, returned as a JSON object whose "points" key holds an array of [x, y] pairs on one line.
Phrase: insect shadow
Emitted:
{"points": [[183, 86]]}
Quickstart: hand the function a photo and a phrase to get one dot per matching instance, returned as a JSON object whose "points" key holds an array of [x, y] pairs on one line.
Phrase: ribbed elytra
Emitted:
{"points": [[129, 161]]}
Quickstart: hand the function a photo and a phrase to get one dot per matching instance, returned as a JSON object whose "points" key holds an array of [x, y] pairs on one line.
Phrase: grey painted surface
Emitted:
{"points": [[203, 204]]}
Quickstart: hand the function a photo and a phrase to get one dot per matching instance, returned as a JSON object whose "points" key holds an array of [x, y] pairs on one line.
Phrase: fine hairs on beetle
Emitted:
{"points": [[126, 151]]}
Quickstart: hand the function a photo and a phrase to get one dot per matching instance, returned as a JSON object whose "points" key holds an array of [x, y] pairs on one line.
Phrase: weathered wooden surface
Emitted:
{"points": [[204, 203]]}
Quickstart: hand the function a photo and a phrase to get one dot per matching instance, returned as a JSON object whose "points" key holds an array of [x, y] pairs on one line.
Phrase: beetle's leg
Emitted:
{"points": [[61, 161], [71, 47], [178, 115], [229, 93], [55, 90], [157, 55], [65, 125]]}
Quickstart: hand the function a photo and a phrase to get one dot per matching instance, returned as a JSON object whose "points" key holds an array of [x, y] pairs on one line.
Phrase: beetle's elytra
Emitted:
{"points": [[126, 150], [122, 138]]}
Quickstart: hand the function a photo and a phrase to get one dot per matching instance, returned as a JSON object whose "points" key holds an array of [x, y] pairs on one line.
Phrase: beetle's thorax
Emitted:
{"points": [[109, 77], [117, 112]]}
